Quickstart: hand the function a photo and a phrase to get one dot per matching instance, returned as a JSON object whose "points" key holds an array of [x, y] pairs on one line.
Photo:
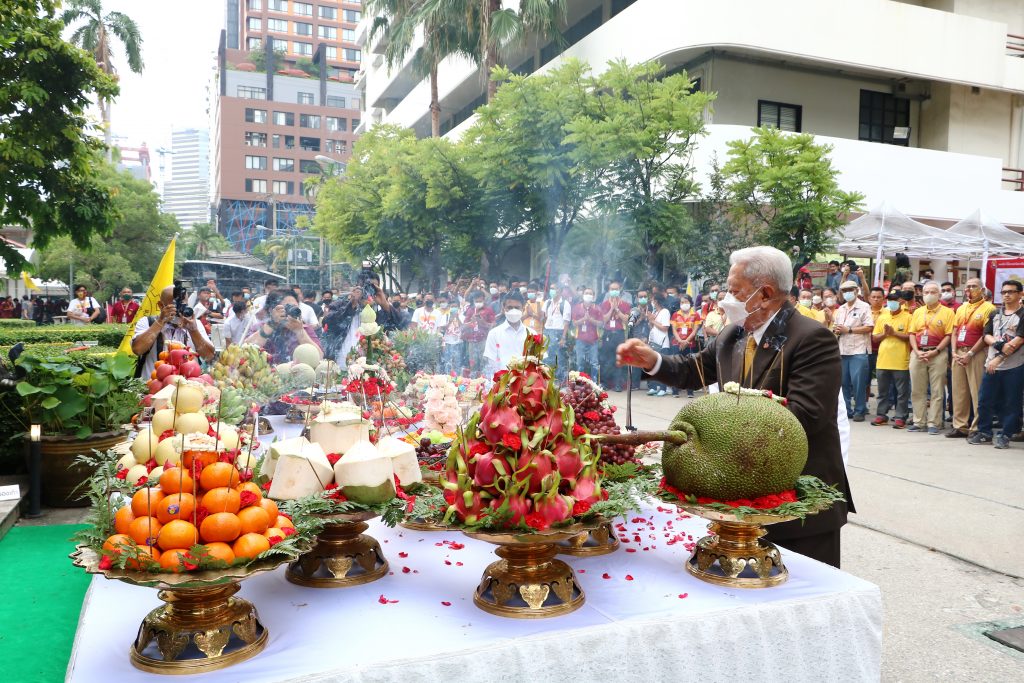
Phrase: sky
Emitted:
{"points": [[179, 45]]}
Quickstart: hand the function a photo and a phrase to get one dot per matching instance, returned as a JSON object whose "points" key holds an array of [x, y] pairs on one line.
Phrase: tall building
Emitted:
{"points": [[286, 110], [923, 100], [187, 192]]}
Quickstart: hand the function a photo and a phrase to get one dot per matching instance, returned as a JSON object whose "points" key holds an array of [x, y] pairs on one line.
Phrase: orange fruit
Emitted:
{"points": [[255, 520], [274, 531], [251, 487], [270, 507], [145, 500], [122, 518], [176, 480], [115, 542], [220, 526], [283, 522], [207, 458], [171, 560], [219, 474], [143, 562], [222, 499], [177, 535], [250, 545], [176, 506], [144, 530], [221, 551]]}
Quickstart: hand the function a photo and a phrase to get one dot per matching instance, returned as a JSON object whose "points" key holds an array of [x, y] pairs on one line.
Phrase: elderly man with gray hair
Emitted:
{"points": [[767, 345]]}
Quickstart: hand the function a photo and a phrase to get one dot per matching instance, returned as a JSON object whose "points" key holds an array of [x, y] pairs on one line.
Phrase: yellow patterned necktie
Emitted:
{"points": [[748, 358]]}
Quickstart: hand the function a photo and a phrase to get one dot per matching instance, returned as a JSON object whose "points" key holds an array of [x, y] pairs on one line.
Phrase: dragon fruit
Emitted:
{"points": [[518, 461]]}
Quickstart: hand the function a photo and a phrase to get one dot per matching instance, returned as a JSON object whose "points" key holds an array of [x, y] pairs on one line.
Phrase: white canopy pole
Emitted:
{"points": [[878, 265]]}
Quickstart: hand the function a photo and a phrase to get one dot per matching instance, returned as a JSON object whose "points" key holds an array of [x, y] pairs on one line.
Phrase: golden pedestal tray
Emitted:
{"points": [[528, 582], [734, 554], [201, 627], [343, 555], [430, 478], [598, 541]]}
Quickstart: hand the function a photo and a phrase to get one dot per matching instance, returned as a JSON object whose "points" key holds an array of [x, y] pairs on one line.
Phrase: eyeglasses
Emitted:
{"points": [[1009, 291]]}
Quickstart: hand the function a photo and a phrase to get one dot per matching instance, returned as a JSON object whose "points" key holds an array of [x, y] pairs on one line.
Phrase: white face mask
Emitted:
{"points": [[830, 302], [736, 311], [947, 296], [685, 308], [849, 296], [815, 300], [522, 290], [443, 304], [494, 290], [588, 298], [478, 304], [513, 315], [613, 292], [930, 299]]}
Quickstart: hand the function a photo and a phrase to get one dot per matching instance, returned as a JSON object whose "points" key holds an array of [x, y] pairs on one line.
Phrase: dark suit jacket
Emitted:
{"points": [[797, 358]]}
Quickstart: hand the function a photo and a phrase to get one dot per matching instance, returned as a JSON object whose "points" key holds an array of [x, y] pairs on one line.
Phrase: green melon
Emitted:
{"points": [[741, 447]]}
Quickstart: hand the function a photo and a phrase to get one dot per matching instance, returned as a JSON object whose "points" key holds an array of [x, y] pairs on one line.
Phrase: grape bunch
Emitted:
{"points": [[594, 414], [432, 455]]}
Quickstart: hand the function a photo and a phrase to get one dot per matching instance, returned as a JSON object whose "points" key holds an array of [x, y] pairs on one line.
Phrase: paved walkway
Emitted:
{"points": [[940, 527]]}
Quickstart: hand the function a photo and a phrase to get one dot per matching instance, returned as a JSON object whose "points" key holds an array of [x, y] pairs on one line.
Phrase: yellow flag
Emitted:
{"points": [[689, 287], [151, 304], [28, 281]]}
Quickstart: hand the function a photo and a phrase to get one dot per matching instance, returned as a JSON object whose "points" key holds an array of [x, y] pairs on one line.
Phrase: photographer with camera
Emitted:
{"points": [[341, 322], [283, 329], [177, 323]]}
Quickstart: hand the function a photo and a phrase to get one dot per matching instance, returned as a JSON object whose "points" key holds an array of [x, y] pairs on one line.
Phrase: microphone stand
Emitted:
{"points": [[629, 379]]}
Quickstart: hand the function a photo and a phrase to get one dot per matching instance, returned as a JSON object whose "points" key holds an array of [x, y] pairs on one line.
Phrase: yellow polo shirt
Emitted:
{"points": [[812, 313], [936, 323], [893, 353]]}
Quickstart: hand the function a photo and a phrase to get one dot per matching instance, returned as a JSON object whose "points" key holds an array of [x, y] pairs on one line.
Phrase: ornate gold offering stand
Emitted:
{"points": [[201, 627], [598, 541], [734, 554], [343, 555], [528, 582]]}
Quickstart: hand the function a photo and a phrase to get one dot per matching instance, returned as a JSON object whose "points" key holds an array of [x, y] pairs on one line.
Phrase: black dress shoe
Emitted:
{"points": [[1018, 437], [955, 434]]}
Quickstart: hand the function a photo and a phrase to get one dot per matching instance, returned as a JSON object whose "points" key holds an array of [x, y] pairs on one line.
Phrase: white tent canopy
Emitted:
{"points": [[992, 237]]}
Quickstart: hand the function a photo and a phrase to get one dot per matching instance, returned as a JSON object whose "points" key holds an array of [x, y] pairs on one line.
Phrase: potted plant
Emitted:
{"points": [[81, 403]]}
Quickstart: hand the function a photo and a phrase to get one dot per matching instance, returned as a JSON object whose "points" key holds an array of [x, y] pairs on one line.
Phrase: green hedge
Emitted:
{"points": [[106, 335], [59, 350], [12, 322]]}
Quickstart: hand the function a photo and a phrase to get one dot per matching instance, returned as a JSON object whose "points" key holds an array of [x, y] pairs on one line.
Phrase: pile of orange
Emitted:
{"points": [[231, 520]]}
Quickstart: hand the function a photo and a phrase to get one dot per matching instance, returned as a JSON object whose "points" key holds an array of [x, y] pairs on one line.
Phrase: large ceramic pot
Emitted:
{"points": [[61, 475]]}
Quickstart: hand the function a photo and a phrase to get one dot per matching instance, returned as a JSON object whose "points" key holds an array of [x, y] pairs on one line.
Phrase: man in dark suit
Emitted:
{"points": [[767, 345]]}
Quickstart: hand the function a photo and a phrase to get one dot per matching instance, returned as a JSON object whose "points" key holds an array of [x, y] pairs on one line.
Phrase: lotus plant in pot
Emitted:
{"points": [[81, 404]]}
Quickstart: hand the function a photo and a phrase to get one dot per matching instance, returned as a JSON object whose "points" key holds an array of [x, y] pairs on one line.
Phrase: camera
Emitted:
{"points": [[366, 278], [998, 346], [181, 300], [293, 311]]}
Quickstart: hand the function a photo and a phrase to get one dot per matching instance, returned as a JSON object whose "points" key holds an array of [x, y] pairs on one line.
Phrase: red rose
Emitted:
{"points": [[479, 449], [788, 496], [247, 498], [245, 474], [512, 441], [591, 415], [274, 540], [333, 458], [577, 430], [142, 481], [538, 339], [166, 434], [498, 375], [122, 473], [535, 520], [201, 514], [227, 457], [151, 465], [580, 507], [288, 531], [106, 562]]}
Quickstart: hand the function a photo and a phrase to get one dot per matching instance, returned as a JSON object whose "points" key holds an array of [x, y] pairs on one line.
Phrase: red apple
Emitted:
{"points": [[155, 385], [165, 371], [177, 357], [190, 369], [171, 380], [147, 401], [205, 379]]}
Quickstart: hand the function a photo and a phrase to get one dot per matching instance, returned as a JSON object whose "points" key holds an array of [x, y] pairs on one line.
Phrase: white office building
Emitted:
{"points": [[922, 100], [187, 192]]}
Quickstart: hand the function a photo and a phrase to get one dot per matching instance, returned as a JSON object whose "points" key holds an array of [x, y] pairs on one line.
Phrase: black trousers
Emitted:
{"points": [[821, 547]]}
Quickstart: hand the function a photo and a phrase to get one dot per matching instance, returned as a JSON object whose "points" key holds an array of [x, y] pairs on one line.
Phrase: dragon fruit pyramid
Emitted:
{"points": [[521, 461]]}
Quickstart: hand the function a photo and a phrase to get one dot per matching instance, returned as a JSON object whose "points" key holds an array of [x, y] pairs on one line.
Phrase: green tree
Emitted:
{"points": [[784, 192], [642, 127], [201, 240], [130, 254], [48, 160], [96, 35]]}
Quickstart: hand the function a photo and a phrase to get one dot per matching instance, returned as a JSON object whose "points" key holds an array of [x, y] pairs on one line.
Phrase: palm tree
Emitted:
{"points": [[94, 36], [201, 240]]}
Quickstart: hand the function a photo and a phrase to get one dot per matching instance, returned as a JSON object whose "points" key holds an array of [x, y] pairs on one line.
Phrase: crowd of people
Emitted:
{"points": [[42, 309]]}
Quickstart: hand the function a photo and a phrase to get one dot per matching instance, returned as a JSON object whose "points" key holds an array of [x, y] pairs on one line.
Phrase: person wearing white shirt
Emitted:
{"points": [[240, 324], [449, 324], [425, 317], [83, 309], [557, 316], [260, 301], [506, 340]]}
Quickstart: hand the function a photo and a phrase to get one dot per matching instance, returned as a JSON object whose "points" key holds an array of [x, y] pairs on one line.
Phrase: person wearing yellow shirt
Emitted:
{"points": [[968, 357], [893, 362], [930, 330], [806, 306]]}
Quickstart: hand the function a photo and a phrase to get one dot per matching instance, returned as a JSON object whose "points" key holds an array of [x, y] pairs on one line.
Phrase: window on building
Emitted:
{"points": [[254, 24], [254, 4], [330, 52], [309, 121], [328, 12], [283, 187], [880, 115], [352, 55], [306, 98], [255, 115], [619, 5], [309, 166], [309, 144], [778, 115], [279, 25], [256, 163], [303, 8], [250, 93], [279, 45], [284, 118], [338, 102], [327, 32], [335, 123], [336, 146], [348, 35], [355, 123], [303, 49], [254, 43], [352, 16], [253, 139], [283, 164], [303, 29], [278, 5], [286, 141], [255, 185]]}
